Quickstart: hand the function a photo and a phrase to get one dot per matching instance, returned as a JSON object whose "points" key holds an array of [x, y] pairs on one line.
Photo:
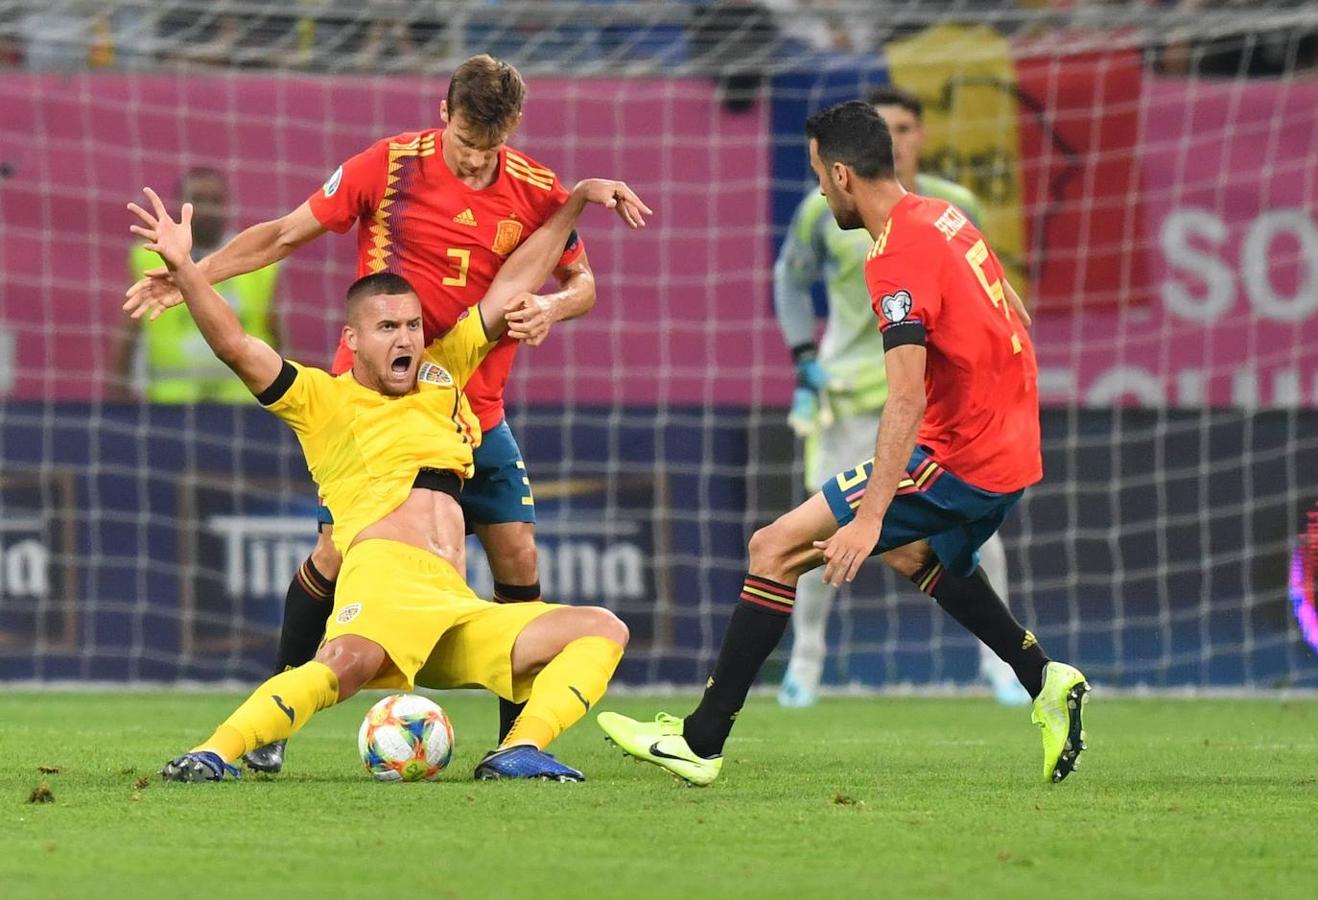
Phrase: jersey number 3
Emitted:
{"points": [[977, 255], [461, 261]]}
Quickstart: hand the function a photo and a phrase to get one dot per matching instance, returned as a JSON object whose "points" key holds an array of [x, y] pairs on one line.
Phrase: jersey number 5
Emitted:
{"points": [[977, 255], [462, 259]]}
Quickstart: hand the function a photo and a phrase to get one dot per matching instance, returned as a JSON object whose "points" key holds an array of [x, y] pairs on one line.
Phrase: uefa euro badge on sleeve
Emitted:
{"points": [[896, 306]]}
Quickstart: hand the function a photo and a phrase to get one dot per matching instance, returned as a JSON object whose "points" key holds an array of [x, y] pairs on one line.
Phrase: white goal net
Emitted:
{"points": [[1149, 175]]}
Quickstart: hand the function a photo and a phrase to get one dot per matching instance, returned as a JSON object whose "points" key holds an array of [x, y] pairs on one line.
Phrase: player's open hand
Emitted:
{"points": [[152, 294], [172, 240], [617, 196], [847, 549], [529, 319]]}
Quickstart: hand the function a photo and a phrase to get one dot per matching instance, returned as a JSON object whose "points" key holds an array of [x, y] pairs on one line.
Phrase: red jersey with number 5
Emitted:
{"points": [[933, 281], [415, 218]]}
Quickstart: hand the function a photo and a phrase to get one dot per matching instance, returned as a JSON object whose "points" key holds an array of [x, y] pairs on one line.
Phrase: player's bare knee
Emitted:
{"points": [[521, 560], [776, 552], [353, 660], [325, 556], [766, 550], [513, 560], [603, 623]]}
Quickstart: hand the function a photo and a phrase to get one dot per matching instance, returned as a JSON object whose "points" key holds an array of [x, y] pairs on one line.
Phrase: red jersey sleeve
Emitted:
{"points": [[354, 190], [904, 292]]}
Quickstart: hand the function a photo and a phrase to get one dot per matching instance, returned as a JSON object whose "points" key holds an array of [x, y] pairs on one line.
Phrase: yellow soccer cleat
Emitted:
{"points": [[660, 742], [1057, 711]]}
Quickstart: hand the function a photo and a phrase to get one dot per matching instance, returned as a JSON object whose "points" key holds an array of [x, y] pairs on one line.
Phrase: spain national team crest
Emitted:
{"points": [[507, 236], [896, 306], [429, 373]]}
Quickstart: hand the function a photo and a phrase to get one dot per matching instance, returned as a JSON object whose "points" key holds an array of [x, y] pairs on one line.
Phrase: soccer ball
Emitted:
{"points": [[405, 738]]}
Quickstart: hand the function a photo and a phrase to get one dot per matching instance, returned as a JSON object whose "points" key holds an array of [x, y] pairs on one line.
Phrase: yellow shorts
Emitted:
{"points": [[435, 631]]}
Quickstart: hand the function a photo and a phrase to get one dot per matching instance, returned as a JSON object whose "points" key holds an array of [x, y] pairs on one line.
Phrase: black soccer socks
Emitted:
{"points": [[978, 608], [307, 606], [757, 625]]}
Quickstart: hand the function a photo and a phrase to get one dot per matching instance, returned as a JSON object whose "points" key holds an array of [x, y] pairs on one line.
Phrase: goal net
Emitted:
{"points": [[1146, 174]]}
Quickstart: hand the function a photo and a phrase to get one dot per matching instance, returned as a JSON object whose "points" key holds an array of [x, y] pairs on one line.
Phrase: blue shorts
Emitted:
{"points": [[930, 504], [498, 492]]}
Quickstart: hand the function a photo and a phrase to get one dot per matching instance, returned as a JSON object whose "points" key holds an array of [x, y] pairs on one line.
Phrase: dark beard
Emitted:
{"points": [[849, 220]]}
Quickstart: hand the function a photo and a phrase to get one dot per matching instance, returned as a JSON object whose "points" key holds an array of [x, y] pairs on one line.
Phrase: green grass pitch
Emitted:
{"points": [[857, 797]]}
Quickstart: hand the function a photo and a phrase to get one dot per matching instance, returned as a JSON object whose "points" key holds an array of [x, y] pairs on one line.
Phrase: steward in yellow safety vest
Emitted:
{"points": [[176, 365]]}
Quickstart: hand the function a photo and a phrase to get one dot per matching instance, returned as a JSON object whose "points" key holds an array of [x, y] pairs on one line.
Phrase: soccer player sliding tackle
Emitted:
{"points": [[390, 442], [444, 208], [957, 445]]}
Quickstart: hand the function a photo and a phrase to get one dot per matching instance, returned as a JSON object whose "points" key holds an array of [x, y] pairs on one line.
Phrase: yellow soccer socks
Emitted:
{"points": [[565, 690], [276, 710]]}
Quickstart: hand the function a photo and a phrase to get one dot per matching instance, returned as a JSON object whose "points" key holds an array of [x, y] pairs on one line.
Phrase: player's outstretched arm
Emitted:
{"points": [[536, 258], [253, 360], [251, 249]]}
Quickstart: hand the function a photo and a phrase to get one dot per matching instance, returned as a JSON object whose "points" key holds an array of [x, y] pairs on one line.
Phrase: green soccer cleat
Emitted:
{"points": [[1057, 711], [660, 742]]}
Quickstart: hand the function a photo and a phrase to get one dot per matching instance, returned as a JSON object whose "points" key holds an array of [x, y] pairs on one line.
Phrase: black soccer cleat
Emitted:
{"points": [[268, 759], [199, 765]]}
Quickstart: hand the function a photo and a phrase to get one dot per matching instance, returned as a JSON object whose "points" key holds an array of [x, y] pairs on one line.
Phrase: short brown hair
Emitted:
{"points": [[891, 95], [489, 94]]}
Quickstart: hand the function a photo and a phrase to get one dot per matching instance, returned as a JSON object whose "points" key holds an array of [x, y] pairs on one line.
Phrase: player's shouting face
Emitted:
{"points": [[384, 334]]}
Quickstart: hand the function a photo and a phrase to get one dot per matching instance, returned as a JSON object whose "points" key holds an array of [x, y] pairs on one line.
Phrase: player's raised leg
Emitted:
{"points": [[307, 606], [692, 748], [1058, 690], [1006, 689], [280, 707]]}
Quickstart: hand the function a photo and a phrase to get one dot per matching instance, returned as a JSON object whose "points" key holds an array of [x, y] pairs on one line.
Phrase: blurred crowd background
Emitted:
{"points": [[1216, 37]]}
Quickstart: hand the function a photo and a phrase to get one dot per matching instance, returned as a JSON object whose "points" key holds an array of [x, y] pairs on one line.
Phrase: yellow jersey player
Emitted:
{"points": [[389, 443]]}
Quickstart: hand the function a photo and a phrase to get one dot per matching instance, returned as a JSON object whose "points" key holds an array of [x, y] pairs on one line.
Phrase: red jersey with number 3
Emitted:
{"points": [[933, 281], [415, 218]]}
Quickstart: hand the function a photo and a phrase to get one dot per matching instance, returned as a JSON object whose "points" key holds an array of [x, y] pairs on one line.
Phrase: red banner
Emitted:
{"points": [[1079, 128]]}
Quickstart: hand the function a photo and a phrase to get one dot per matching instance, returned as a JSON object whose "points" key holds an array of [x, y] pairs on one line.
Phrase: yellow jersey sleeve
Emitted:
{"points": [[462, 349], [303, 396]]}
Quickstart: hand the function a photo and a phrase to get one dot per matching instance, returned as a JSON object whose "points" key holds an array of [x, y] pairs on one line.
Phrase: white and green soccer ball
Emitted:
{"points": [[405, 738]]}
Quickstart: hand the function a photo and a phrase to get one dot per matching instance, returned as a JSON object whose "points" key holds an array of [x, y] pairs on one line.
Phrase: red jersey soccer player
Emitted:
{"points": [[957, 446], [443, 208]]}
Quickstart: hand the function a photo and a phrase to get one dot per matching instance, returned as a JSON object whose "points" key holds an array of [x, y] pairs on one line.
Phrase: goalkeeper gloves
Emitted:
{"points": [[809, 401]]}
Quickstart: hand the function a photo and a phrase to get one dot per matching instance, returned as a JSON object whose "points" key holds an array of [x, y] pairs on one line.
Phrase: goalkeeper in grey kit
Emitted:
{"points": [[841, 384]]}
